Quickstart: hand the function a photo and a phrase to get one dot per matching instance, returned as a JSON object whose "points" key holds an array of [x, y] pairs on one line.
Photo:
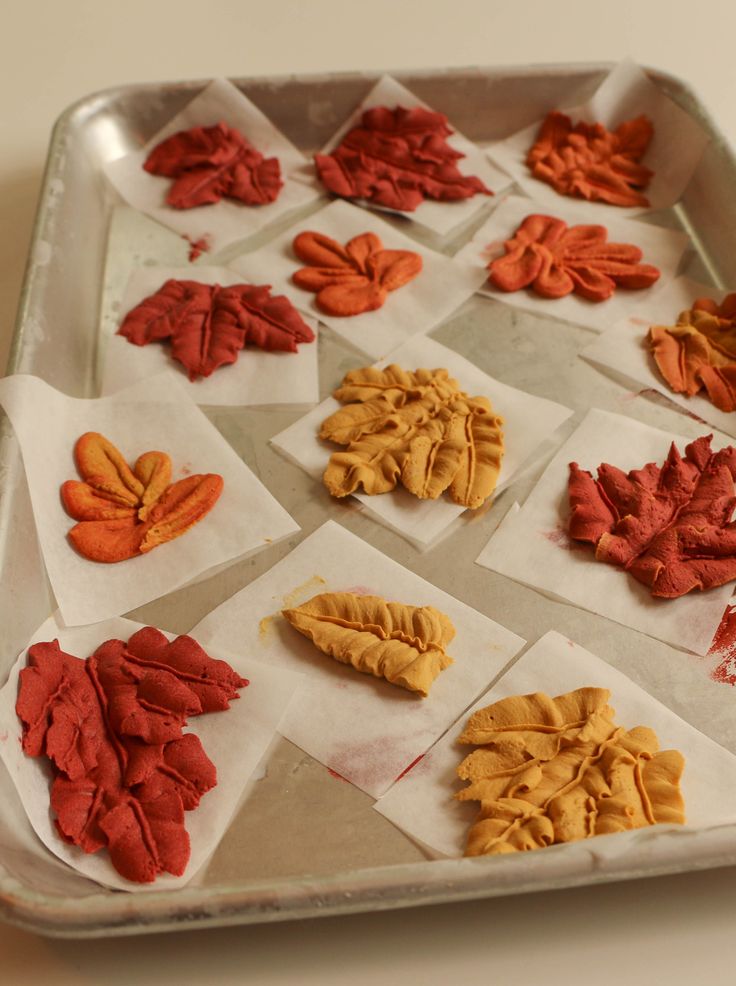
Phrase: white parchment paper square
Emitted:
{"points": [[235, 741], [256, 378], [624, 94], [421, 803], [152, 414], [226, 221], [362, 727], [416, 307], [528, 422], [662, 247], [440, 217], [625, 349], [532, 546]]}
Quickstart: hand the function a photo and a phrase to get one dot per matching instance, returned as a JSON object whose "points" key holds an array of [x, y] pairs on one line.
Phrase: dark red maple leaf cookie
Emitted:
{"points": [[555, 259], [112, 727], [397, 158], [670, 526], [211, 163], [208, 325]]}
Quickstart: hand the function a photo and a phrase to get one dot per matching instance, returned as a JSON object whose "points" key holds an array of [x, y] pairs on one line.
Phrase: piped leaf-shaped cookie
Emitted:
{"points": [[699, 352], [416, 428], [123, 771], [670, 527], [551, 770], [125, 512], [208, 325], [403, 644]]}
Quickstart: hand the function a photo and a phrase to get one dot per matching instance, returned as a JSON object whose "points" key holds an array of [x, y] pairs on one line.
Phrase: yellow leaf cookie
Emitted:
{"points": [[553, 770], [403, 644]]}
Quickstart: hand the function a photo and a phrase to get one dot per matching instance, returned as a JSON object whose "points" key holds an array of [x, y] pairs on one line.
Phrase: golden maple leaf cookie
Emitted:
{"points": [[416, 428], [550, 770]]}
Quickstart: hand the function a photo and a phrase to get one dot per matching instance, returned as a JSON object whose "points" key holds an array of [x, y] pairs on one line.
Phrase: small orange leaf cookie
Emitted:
{"points": [[355, 278], [124, 512]]}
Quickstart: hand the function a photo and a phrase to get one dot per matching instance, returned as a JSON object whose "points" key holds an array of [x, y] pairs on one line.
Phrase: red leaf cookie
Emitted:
{"points": [[670, 526], [112, 726], [208, 325], [211, 163], [397, 158]]}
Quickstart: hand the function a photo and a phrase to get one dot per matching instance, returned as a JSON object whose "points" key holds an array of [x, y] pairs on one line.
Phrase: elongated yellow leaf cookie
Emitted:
{"points": [[416, 428], [553, 770], [403, 644]]}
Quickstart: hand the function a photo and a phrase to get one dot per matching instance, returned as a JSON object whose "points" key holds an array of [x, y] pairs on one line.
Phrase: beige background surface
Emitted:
{"points": [[669, 930]]}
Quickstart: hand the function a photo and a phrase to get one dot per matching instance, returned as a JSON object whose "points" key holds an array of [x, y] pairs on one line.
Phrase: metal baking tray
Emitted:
{"points": [[278, 860]]}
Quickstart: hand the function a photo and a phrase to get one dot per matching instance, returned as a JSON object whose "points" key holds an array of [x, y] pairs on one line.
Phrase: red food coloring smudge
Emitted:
{"points": [[365, 763], [197, 247], [124, 772], [695, 417], [338, 777], [211, 163], [411, 766], [560, 538], [724, 648], [208, 325], [397, 158]]}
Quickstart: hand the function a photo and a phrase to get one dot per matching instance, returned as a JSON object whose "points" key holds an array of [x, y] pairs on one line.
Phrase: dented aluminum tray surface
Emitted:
{"points": [[309, 844]]}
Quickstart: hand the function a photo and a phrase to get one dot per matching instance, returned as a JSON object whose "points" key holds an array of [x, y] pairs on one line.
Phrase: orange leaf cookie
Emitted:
{"points": [[355, 278], [587, 161], [699, 352], [124, 512], [554, 260]]}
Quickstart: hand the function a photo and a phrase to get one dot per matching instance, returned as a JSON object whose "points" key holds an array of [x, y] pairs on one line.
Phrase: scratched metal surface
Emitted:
{"points": [[309, 844]]}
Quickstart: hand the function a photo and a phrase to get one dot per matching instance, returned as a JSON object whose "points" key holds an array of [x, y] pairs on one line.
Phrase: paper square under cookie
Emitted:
{"points": [[256, 378], [418, 306], [235, 740], [421, 803], [226, 221], [661, 247], [532, 546], [363, 728], [528, 422], [625, 349], [441, 218], [625, 93], [152, 414]]}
